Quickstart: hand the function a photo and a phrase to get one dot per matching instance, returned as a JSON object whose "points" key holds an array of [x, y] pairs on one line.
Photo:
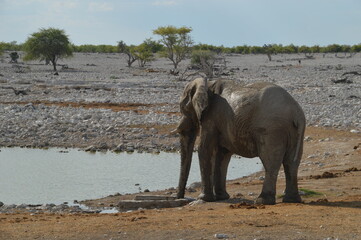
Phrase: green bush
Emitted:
{"points": [[1, 48], [88, 48], [202, 56], [204, 60], [143, 54], [48, 44], [154, 46], [14, 57]]}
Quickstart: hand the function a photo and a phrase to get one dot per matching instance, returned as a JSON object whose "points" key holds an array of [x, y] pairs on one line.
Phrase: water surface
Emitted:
{"points": [[36, 176]]}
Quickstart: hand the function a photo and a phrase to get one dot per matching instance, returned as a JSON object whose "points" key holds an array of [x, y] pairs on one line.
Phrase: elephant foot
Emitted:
{"points": [[292, 199], [266, 200], [180, 195], [207, 197], [223, 196]]}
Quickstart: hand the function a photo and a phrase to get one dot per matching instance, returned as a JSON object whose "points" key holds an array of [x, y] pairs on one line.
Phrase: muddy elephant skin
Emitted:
{"points": [[255, 120]]}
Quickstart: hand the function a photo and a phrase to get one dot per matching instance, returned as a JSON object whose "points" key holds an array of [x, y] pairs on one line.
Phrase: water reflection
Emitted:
{"points": [[35, 176]]}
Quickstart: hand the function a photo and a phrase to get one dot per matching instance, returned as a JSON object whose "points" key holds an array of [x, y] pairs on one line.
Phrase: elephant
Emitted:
{"points": [[251, 120]]}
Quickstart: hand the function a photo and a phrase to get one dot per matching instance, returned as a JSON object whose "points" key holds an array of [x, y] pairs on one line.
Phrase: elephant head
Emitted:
{"points": [[192, 104]]}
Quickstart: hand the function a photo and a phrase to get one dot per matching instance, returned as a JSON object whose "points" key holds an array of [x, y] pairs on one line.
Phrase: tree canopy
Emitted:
{"points": [[48, 44], [177, 41]]}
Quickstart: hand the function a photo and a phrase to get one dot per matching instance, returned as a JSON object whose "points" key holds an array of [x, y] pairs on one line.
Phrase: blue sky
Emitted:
{"points": [[216, 22]]}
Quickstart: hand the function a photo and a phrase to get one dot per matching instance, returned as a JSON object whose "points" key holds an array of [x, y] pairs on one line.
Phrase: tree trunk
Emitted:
{"points": [[54, 65], [269, 57]]}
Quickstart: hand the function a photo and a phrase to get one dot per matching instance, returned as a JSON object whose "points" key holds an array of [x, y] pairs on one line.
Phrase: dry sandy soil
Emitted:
{"points": [[333, 214]]}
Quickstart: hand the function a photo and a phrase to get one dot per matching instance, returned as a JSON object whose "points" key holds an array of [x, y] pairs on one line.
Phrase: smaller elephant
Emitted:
{"points": [[256, 120]]}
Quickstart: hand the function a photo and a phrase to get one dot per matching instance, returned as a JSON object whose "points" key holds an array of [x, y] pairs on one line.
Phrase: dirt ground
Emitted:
{"points": [[330, 167]]}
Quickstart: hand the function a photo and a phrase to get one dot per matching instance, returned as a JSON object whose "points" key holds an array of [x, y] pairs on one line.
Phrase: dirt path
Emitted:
{"points": [[330, 167]]}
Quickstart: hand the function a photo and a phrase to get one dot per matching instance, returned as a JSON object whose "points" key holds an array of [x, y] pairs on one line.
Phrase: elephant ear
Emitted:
{"points": [[200, 97], [195, 97]]}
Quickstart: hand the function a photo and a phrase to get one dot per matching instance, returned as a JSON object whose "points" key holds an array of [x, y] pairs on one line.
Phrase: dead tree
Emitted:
{"points": [[185, 75], [309, 55]]}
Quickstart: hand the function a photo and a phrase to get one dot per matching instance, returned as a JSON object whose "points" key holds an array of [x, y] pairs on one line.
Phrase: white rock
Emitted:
{"points": [[197, 202], [220, 236]]}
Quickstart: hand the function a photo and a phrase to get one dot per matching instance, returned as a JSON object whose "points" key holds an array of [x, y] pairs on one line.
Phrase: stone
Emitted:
{"points": [[154, 197], [125, 205], [153, 130], [130, 149], [195, 185], [220, 236], [119, 148], [308, 138], [197, 202], [90, 149], [22, 206]]}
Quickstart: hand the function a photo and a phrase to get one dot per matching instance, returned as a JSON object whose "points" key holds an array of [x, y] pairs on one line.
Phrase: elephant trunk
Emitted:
{"points": [[187, 141]]}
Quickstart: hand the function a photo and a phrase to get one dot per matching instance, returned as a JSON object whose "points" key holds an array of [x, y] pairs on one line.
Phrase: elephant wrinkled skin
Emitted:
{"points": [[256, 120]]}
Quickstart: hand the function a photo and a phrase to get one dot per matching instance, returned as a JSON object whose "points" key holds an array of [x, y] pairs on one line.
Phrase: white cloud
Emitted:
{"points": [[164, 3], [100, 7]]}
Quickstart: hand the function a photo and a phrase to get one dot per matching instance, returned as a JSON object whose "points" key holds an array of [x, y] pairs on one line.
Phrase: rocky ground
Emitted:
{"points": [[97, 103]]}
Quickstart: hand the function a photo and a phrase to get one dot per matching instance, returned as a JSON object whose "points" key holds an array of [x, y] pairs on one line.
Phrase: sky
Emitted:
{"points": [[216, 22]]}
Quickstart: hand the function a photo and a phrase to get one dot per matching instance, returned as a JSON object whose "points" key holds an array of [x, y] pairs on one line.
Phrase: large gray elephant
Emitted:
{"points": [[256, 120]]}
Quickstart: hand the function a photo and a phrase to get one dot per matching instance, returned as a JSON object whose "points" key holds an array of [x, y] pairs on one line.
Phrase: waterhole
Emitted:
{"points": [[36, 176]]}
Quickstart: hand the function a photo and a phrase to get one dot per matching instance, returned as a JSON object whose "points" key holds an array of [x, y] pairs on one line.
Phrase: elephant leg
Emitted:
{"points": [[220, 173], [290, 166], [272, 153], [207, 154], [187, 143]]}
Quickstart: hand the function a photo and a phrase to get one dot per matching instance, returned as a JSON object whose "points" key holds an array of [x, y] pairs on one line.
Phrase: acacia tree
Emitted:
{"points": [[49, 44], [177, 42]]}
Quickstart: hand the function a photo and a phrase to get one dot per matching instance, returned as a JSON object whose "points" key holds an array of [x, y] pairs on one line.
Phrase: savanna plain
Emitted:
{"points": [[97, 103]]}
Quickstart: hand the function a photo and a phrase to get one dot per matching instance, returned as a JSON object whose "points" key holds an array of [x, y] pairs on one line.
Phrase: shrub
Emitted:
{"points": [[14, 57], [127, 50], [204, 60], [143, 53], [2, 48], [154, 46]]}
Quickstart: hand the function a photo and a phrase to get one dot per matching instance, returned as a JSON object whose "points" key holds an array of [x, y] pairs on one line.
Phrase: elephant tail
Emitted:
{"points": [[300, 125]]}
